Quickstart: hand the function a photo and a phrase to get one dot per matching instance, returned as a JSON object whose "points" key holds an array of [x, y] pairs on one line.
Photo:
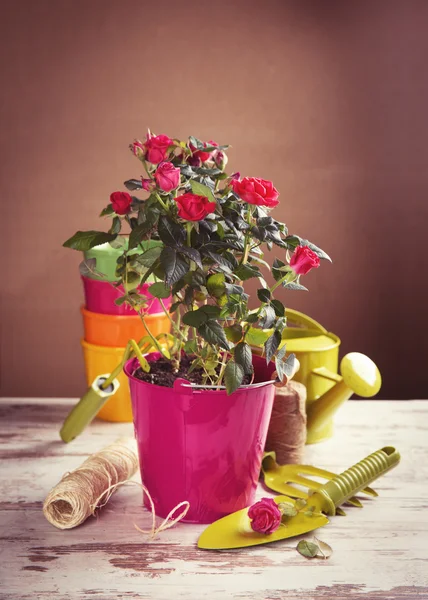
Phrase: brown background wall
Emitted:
{"points": [[326, 98]]}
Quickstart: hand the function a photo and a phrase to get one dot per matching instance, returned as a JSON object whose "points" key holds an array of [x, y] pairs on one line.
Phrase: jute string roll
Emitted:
{"points": [[287, 428], [81, 492]]}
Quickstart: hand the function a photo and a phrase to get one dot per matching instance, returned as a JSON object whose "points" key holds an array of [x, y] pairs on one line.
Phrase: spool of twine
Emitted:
{"points": [[287, 428], [80, 492]]}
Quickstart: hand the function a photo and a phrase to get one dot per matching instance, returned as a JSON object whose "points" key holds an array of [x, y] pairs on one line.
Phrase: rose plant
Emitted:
{"points": [[214, 229]]}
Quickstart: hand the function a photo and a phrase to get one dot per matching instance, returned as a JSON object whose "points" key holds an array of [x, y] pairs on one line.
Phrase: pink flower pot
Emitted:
{"points": [[100, 297], [201, 445]]}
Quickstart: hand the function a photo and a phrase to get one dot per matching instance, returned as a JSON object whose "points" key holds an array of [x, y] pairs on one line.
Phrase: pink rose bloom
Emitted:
{"points": [[192, 207], [203, 156], [148, 184], [167, 176], [303, 260], [157, 148], [256, 191], [265, 516], [121, 202]]}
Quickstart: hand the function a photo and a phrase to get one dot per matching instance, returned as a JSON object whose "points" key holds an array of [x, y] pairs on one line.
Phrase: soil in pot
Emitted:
{"points": [[162, 373]]}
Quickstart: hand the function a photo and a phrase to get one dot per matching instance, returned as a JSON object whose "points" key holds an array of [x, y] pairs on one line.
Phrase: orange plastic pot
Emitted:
{"points": [[117, 330], [101, 359]]}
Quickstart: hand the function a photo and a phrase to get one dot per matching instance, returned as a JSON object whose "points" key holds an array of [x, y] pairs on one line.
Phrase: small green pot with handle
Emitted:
{"points": [[106, 257]]}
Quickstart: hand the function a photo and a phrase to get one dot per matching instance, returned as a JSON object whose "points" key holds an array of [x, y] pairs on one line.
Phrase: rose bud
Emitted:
{"points": [[148, 184], [303, 260], [167, 176], [194, 161], [192, 207], [256, 191], [220, 159], [203, 156], [138, 149], [265, 516], [121, 202]]}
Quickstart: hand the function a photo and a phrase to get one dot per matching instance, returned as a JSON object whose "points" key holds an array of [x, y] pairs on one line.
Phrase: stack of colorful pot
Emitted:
{"points": [[108, 327]]}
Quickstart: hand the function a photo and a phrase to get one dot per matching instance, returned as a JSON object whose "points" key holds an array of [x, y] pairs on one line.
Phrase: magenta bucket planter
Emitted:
{"points": [[100, 297], [201, 445]]}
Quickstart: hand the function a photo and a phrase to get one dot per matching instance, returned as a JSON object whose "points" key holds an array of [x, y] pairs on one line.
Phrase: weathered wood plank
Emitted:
{"points": [[379, 551]]}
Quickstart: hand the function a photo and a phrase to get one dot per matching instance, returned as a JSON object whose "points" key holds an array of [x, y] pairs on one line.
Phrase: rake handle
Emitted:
{"points": [[342, 487]]}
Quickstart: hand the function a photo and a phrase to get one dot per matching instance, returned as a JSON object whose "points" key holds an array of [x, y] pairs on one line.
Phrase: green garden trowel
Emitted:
{"points": [[234, 531]]}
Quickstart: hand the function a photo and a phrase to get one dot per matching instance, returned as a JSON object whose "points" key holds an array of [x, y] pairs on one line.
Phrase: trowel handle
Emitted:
{"points": [[342, 487]]}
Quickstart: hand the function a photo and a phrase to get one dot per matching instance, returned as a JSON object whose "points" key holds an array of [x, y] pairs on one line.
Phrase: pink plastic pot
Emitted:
{"points": [[201, 445], [100, 297]]}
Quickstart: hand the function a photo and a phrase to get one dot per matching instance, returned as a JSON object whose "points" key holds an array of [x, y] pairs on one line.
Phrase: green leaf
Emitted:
{"points": [[174, 306], [268, 317], [243, 357], [174, 265], [85, 240], [278, 307], [215, 285], [202, 190], [293, 285], [257, 337], [233, 333], [149, 257], [107, 211], [287, 509], [307, 549], [233, 376], [139, 233], [263, 295], [190, 347], [245, 272], [159, 290], [195, 318], [193, 254], [271, 345], [277, 265], [131, 281], [325, 550], [133, 184], [120, 301], [214, 334], [116, 225], [171, 233]]}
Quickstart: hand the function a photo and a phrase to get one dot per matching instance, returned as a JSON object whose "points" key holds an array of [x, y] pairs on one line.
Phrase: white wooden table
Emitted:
{"points": [[380, 551]]}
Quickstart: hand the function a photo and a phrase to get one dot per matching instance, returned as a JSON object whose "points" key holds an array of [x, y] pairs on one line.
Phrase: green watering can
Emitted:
{"points": [[327, 388]]}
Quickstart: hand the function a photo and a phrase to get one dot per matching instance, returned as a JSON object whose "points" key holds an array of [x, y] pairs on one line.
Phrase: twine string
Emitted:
{"points": [[89, 487]]}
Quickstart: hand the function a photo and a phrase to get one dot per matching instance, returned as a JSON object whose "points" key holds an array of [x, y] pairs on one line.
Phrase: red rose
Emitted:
{"points": [[167, 176], [256, 191], [121, 202], [265, 516], [220, 159], [303, 260], [203, 156], [157, 148], [194, 208]]}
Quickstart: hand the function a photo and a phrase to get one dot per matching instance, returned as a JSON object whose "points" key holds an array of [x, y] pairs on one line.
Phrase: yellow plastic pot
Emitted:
{"points": [[103, 359]]}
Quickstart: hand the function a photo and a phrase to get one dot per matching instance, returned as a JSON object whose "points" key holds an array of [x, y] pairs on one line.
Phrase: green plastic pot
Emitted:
{"points": [[106, 257]]}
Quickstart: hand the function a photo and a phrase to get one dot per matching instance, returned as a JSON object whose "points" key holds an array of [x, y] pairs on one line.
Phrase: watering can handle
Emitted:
{"points": [[298, 318]]}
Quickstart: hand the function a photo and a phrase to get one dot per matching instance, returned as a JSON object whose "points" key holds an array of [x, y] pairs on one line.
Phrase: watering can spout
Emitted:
{"points": [[359, 375]]}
